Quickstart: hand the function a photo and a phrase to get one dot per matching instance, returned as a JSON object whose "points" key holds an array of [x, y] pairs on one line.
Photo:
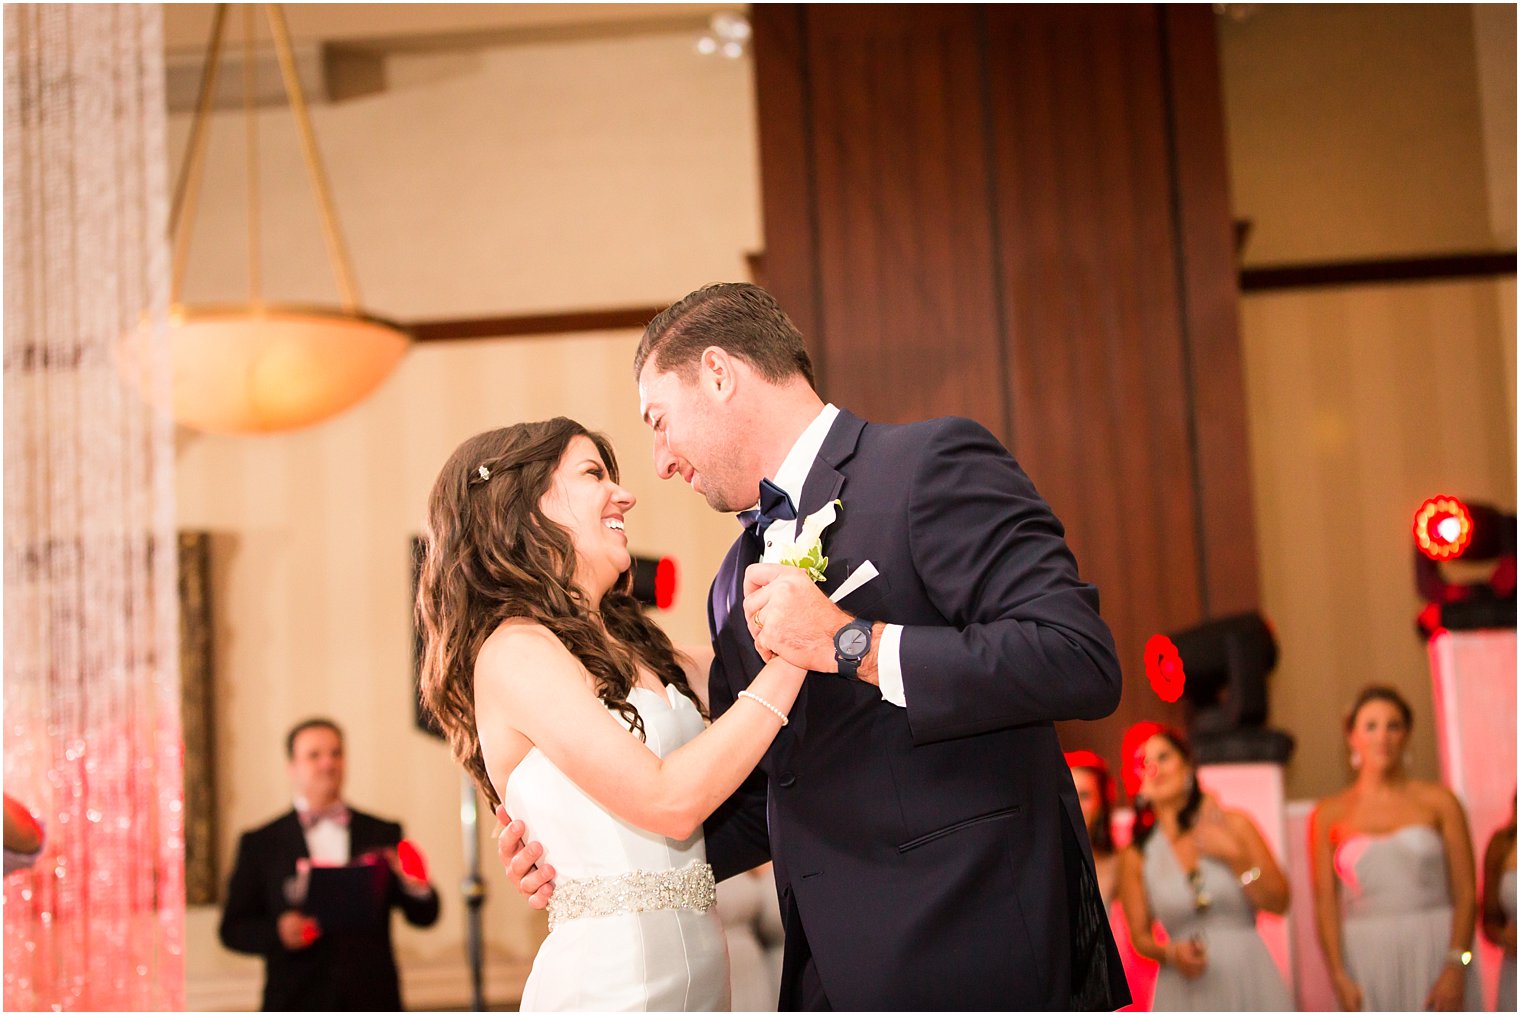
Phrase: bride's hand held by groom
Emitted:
{"points": [[789, 616]]}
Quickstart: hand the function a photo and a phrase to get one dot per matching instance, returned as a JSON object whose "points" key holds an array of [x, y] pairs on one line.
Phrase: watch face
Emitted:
{"points": [[853, 642]]}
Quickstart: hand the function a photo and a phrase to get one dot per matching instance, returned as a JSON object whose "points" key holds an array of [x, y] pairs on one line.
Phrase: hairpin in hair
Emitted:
{"points": [[480, 475]]}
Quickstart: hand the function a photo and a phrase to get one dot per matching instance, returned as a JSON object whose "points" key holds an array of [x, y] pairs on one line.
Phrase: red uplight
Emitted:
{"points": [[1163, 667], [665, 583], [1443, 528]]}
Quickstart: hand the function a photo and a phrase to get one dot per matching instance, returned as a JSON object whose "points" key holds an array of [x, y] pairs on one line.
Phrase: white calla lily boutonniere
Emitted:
{"points": [[806, 550]]}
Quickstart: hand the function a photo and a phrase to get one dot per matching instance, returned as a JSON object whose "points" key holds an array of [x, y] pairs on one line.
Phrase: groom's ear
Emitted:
{"points": [[716, 371]]}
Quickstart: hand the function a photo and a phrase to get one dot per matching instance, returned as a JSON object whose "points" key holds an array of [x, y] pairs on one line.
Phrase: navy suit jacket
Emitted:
{"points": [[352, 970], [932, 857]]}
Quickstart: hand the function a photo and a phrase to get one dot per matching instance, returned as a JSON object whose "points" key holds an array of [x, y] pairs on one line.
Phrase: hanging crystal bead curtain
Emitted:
{"points": [[91, 717]]}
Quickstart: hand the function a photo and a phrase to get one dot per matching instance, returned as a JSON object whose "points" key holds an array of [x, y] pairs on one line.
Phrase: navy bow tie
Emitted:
{"points": [[775, 506]]}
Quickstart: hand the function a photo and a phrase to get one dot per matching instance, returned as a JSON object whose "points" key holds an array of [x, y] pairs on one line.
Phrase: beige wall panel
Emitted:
{"points": [[543, 177], [1494, 37], [1494, 32], [1363, 402], [1355, 130]]}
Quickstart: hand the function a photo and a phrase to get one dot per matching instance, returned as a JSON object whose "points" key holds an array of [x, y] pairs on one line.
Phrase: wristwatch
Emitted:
{"points": [[851, 643]]}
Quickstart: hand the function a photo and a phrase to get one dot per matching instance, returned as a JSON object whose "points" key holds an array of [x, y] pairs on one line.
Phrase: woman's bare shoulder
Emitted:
{"points": [[1330, 809], [1436, 797], [520, 647]]}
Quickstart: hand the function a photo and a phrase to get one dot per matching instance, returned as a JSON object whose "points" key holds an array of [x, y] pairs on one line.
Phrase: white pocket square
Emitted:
{"points": [[857, 579]]}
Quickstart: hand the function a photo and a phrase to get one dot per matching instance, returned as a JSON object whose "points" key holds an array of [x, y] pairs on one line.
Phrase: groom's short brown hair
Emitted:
{"points": [[739, 317]]}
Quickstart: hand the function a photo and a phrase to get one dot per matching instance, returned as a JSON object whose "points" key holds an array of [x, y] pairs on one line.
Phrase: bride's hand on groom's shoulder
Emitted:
{"points": [[533, 880]]}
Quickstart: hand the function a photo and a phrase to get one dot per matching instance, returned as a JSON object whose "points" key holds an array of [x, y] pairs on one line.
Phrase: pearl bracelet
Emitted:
{"points": [[752, 696]]}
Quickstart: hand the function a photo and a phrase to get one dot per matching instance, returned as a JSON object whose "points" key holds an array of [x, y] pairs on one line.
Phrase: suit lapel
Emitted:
{"points": [[293, 837], [359, 835], [728, 592], [365, 834], [825, 482]]}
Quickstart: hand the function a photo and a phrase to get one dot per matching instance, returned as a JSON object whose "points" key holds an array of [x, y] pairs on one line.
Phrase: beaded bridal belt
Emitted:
{"points": [[691, 887]]}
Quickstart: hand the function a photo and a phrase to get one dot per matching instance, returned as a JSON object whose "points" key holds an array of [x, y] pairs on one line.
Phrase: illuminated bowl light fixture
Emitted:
{"points": [[263, 367]]}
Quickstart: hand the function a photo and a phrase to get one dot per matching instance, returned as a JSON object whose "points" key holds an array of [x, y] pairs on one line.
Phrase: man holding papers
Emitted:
{"points": [[312, 891]]}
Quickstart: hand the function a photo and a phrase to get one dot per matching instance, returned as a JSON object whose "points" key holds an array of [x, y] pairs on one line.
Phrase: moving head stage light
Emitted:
{"points": [[1220, 669], [1448, 532]]}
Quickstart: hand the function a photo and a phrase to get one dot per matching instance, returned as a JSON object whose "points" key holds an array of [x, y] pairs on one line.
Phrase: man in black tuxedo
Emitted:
{"points": [[928, 844], [308, 967]]}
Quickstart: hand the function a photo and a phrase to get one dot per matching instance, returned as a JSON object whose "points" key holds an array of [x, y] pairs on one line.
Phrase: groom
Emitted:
{"points": [[928, 845]]}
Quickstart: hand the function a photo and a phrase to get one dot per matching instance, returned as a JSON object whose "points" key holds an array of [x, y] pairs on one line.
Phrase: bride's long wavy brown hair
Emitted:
{"points": [[491, 554]]}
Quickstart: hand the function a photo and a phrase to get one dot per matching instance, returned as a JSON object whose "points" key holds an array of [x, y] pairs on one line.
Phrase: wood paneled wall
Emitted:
{"points": [[1021, 215]]}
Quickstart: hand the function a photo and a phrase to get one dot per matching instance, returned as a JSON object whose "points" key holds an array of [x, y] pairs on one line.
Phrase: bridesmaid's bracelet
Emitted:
{"points": [[752, 696]]}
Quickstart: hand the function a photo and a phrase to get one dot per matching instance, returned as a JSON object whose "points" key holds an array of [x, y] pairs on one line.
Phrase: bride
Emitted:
{"points": [[568, 704]]}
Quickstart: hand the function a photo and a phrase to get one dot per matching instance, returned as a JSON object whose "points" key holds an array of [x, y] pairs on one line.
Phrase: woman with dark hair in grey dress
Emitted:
{"points": [[1202, 872]]}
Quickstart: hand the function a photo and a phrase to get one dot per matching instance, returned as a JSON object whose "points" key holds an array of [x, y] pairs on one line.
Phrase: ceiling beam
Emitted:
{"points": [[520, 325]]}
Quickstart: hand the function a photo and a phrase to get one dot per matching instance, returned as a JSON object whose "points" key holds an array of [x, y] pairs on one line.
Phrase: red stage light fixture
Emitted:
{"points": [[1443, 528], [1220, 668], [654, 581], [1448, 529], [665, 583], [1163, 668]]}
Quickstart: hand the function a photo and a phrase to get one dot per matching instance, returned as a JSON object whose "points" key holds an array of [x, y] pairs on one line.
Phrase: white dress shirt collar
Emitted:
{"points": [[327, 841], [799, 461]]}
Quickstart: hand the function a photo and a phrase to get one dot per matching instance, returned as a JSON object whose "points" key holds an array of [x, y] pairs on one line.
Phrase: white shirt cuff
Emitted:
{"points": [[889, 667]]}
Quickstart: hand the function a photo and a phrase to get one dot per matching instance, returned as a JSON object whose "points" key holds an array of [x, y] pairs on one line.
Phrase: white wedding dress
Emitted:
{"points": [[656, 959]]}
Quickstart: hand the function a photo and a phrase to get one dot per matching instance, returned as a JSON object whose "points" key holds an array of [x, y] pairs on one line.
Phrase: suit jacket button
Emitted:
{"points": [[787, 781]]}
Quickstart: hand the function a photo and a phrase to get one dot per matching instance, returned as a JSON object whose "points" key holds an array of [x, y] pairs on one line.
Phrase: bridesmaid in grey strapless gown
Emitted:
{"points": [[1396, 917]]}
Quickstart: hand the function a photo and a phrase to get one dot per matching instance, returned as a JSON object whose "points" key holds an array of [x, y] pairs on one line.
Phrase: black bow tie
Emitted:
{"points": [[775, 506]]}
